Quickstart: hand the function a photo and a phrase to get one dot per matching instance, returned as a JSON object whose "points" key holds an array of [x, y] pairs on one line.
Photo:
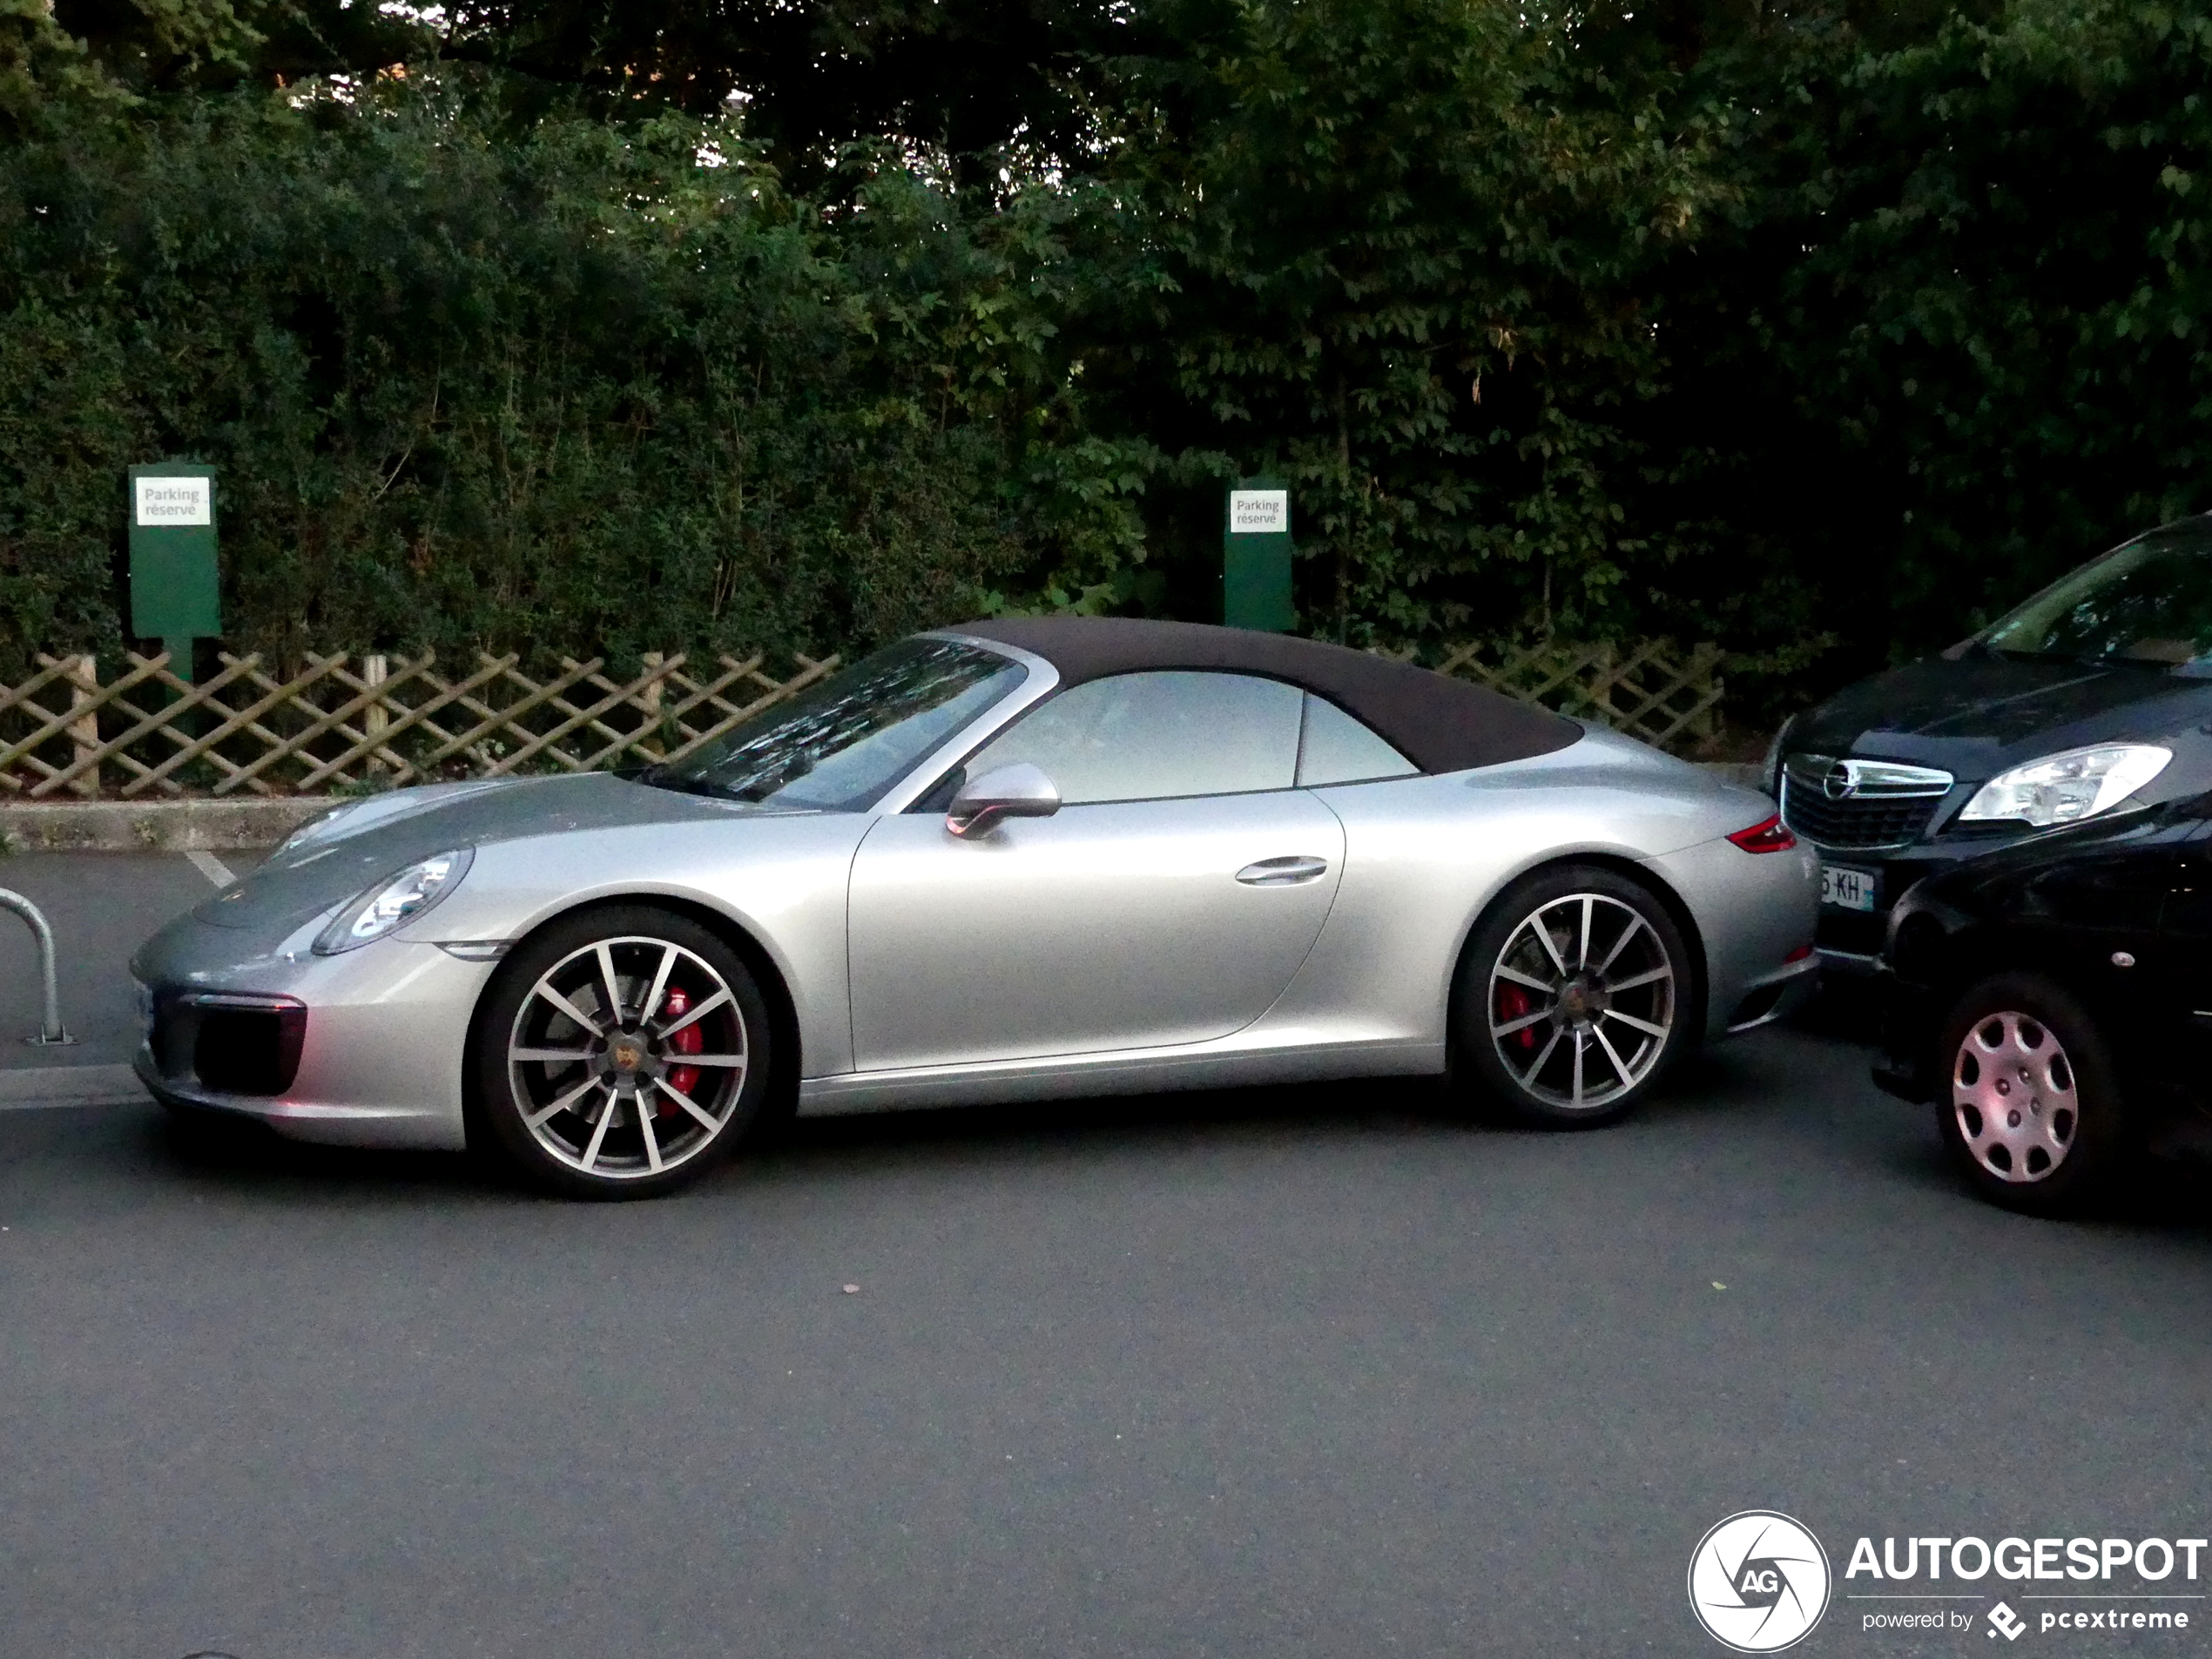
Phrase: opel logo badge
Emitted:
{"points": [[1839, 785]]}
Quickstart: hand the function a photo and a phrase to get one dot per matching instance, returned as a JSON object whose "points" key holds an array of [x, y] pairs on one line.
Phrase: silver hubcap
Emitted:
{"points": [[1581, 1000], [2013, 1090], [628, 1057]]}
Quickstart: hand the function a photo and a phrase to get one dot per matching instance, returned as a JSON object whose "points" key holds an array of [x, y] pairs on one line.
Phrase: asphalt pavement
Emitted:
{"points": [[1314, 1371]]}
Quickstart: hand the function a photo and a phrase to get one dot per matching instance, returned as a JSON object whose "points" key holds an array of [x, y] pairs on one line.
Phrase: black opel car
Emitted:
{"points": [[2093, 697], [2054, 1003]]}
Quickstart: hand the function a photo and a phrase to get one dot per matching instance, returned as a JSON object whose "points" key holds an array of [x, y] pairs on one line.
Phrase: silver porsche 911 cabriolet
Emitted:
{"points": [[1017, 860]]}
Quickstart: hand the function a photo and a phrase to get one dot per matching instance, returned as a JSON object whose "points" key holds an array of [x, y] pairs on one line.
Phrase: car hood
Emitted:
{"points": [[1975, 715], [357, 846]]}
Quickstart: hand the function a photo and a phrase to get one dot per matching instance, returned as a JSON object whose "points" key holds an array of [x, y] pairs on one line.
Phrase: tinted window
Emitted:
{"points": [[2148, 601], [1154, 736], [1336, 749], [839, 745]]}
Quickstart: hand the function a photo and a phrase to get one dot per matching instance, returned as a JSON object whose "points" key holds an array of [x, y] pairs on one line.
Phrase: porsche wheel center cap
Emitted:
{"points": [[627, 1053], [1581, 999]]}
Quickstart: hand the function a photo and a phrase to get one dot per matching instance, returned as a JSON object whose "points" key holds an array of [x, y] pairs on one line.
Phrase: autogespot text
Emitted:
{"points": [[2153, 1559]]}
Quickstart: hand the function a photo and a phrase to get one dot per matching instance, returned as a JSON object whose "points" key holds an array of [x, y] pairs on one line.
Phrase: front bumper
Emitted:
{"points": [[380, 1058], [1851, 941], [1907, 1019]]}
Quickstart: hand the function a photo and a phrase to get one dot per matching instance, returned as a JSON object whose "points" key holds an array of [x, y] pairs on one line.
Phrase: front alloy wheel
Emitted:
{"points": [[621, 1053], [1583, 991]]}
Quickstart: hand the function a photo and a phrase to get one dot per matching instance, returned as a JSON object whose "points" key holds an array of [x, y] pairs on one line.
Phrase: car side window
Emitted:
{"points": [[1156, 736], [1336, 749]]}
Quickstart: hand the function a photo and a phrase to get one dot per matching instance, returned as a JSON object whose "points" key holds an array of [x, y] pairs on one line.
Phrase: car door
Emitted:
{"points": [[1170, 900]]}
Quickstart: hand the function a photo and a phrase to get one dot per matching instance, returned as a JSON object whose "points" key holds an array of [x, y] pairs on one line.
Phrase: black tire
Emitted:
{"points": [[639, 1121], [1538, 1068], [2027, 1102]]}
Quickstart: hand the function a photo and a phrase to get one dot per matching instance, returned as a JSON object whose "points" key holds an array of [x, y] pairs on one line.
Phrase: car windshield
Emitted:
{"points": [[2148, 602], [838, 746]]}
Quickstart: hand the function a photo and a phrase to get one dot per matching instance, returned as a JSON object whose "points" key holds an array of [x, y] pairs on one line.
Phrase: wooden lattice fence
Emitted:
{"points": [[1650, 689], [343, 723], [373, 722]]}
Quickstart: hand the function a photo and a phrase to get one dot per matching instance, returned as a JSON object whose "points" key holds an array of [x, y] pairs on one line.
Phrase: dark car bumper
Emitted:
{"points": [[1909, 1014], [1851, 940]]}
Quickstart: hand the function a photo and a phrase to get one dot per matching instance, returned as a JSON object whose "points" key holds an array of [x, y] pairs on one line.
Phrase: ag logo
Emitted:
{"points": [[1759, 1582]]}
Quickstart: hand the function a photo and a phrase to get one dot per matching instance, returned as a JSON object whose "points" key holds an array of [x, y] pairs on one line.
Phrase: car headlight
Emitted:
{"points": [[393, 903], [2066, 788]]}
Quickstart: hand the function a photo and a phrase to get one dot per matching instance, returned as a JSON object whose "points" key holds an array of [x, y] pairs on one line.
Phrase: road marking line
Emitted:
{"points": [[23, 1086], [211, 866]]}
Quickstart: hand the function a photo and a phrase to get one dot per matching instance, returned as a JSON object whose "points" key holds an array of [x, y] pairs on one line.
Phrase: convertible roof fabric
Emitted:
{"points": [[1439, 723]]}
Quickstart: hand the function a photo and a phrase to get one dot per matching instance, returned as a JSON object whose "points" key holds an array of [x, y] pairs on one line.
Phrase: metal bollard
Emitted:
{"points": [[51, 1034]]}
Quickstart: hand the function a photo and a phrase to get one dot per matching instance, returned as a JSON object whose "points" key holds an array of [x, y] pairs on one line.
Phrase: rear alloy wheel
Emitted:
{"points": [[2029, 1108], [1584, 987], [621, 1053]]}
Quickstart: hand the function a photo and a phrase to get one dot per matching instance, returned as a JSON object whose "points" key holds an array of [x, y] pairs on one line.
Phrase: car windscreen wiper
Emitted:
{"points": [[661, 778]]}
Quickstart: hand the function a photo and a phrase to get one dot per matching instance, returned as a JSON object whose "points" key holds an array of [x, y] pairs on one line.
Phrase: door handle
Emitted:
{"points": [[1283, 872]]}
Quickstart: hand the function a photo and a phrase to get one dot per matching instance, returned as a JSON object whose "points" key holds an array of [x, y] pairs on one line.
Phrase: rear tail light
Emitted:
{"points": [[1770, 835]]}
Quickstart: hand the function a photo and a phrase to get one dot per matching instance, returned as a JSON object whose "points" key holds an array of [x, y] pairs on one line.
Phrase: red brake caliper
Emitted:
{"points": [[1512, 1002], [690, 1040]]}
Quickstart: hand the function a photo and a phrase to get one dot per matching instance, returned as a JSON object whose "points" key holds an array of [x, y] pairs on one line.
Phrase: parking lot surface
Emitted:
{"points": [[100, 905], [1316, 1371]]}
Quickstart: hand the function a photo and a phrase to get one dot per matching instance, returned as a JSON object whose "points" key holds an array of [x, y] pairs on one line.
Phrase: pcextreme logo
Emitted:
{"points": [[1758, 1582]]}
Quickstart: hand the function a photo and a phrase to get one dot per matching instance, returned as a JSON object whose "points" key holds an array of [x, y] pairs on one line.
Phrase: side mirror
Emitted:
{"points": [[1018, 791]]}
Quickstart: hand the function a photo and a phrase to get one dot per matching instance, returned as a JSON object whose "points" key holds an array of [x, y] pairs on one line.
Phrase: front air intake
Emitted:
{"points": [[244, 1045]]}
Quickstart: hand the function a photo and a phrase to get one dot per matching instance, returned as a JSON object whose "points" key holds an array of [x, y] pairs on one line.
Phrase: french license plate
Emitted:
{"points": [[1847, 889]]}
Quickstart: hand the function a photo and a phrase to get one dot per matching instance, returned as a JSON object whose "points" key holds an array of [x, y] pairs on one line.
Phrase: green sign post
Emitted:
{"points": [[174, 594], [1256, 557]]}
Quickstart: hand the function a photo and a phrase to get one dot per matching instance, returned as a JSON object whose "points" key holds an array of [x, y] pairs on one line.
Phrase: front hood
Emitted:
{"points": [[1977, 715], [301, 881]]}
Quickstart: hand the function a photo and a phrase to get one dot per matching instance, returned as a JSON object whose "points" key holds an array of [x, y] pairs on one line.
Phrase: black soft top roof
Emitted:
{"points": [[1439, 723]]}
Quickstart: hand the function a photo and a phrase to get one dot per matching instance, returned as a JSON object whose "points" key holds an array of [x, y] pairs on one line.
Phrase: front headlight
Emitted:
{"points": [[2065, 788], [393, 903]]}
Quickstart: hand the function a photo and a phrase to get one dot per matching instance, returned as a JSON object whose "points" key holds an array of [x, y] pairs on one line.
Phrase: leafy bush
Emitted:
{"points": [[565, 390], [1824, 329]]}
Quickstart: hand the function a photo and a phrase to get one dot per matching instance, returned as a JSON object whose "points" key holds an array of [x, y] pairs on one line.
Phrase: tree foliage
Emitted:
{"points": [[570, 391], [1407, 257], [1822, 328]]}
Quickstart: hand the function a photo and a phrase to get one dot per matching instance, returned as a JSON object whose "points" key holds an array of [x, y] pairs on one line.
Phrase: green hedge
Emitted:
{"points": [[567, 391], [1821, 331]]}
